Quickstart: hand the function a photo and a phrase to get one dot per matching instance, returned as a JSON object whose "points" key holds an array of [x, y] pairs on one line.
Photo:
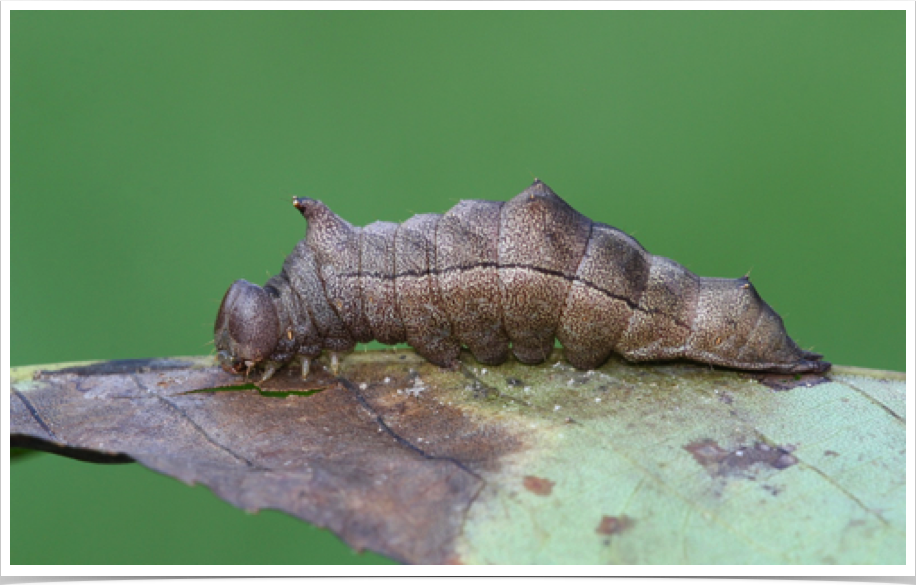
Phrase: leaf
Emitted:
{"points": [[665, 464]]}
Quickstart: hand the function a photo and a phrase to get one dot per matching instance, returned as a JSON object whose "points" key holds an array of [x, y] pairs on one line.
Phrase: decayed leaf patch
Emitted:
{"points": [[742, 460], [382, 469]]}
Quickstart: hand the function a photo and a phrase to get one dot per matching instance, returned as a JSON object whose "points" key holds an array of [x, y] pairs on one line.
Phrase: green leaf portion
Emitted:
{"points": [[617, 449]]}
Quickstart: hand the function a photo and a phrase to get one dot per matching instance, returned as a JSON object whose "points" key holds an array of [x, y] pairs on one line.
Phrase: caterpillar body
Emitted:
{"points": [[490, 276]]}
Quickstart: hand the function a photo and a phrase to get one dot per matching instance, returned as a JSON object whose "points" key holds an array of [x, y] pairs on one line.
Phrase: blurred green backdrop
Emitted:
{"points": [[154, 153]]}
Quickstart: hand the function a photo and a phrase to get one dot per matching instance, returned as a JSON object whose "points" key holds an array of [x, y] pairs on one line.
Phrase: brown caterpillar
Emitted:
{"points": [[488, 274]]}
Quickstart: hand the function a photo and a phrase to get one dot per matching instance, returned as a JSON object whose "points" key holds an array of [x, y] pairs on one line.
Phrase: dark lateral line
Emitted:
{"points": [[547, 271], [401, 440], [35, 415]]}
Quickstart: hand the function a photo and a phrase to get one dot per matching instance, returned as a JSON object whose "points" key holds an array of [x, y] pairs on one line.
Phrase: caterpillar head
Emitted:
{"points": [[247, 327]]}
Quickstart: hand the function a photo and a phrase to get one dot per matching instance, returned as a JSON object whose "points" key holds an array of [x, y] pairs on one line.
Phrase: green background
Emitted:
{"points": [[154, 153]]}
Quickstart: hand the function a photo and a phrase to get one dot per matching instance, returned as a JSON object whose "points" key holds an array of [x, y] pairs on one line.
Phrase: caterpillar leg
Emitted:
{"points": [[335, 363], [270, 368]]}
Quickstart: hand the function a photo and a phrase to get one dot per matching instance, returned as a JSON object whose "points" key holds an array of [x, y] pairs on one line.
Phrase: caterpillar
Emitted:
{"points": [[490, 275]]}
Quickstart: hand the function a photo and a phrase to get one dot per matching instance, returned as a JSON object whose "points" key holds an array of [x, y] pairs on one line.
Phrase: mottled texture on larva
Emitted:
{"points": [[336, 250], [489, 276], [466, 265], [659, 328], [609, 283], [541, 243], [727, 311], [377, 282], [287, 344], [298, 334], [302, 273], [427, 325]]}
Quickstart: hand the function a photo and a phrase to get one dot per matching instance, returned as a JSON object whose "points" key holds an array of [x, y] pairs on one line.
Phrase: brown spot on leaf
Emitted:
{"points": [[742, 460], [614, 524], [783, 461], [774, 490], [538, 485], [830, 453]]}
